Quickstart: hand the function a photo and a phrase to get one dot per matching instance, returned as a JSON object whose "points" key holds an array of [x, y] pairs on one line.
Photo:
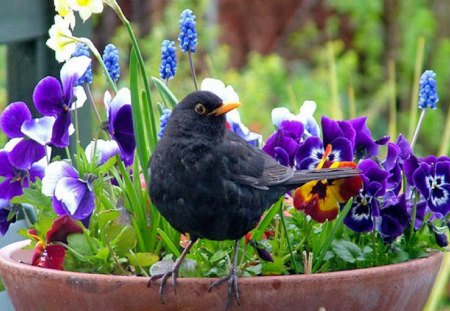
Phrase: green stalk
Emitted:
{"points": [[419, 125], [191, 65], [88, 92], [294, 263], [337, 225], [148, 114], [415, 88]]}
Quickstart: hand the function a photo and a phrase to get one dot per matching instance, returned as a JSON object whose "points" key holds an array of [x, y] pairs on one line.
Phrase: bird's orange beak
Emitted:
{"points": [[224, 108]]}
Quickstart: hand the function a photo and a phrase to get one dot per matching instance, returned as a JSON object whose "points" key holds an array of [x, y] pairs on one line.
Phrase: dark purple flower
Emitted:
{"points": [[365, 146], [54, 98], [432, 179], [393, 167], [332, 130], [120, 122], [71, 194], [282, 145], [393, 220], [365, 205], [312, 150], [31, 135], [7, 216], [14, 179]]}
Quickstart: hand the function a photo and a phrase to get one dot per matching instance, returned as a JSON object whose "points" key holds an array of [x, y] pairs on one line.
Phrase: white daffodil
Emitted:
{"points": [[87, 7], [61, 40], [64, 9]]}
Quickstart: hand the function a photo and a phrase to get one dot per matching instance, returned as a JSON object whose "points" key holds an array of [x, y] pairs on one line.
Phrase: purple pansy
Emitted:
{"points": [[54, 98], [5, 219], [15, 179], [31, 134], [394, 219], [71, 194], [282, 145], [120, 122], [393, 167], [365, 146], [332, 129], [365, 206], [104, 150], [432, 179]]}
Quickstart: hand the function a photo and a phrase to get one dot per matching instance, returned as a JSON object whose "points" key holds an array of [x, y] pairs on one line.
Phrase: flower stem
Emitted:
{"points": [[419, 125], [283, 223], [191, 65], [88, 92], [415, 88]]}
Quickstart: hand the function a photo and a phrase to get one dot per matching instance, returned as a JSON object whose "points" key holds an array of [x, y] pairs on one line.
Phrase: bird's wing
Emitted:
{"points": [[248, 165]]}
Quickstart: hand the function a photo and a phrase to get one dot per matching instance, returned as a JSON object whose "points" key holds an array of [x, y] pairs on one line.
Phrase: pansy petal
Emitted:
{"points": [[80, 96], [6, 169], [422, 179], [359, 218], [39, 129], [9, 189], [71, 72], [48, 96], [61, 228], [58, 207], [309, 152], [53, 173], [342, 150], [123, 130], [25, 153], [13, 117], [282, 156], [51, 258], [60, 135], [280, 114], [103, 150], [75, 196]]}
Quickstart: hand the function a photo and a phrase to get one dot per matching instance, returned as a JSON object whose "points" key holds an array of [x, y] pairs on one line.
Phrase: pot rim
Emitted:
{"points": [[8, 263]]}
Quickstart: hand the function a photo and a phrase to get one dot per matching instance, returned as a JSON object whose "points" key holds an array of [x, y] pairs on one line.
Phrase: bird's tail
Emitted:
{"points": [[304, 176]]}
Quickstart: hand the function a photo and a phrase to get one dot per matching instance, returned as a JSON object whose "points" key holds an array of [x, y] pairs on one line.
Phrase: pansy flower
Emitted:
{"points": [[432, 179], [54, 98], [311, 128], [283, 144], [31, 134], [365, 205], [394, 219], [7, 216], [71, 194], [120, 122], [15, 179], [101, 150], [46, 253], [320, 199]]}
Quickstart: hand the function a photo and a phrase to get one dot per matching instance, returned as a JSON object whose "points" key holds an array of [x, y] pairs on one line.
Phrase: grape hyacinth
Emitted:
{"points": [[83, 50], [188, 33], [428, 96], [163, 122], [111, 60], [168, 66]]}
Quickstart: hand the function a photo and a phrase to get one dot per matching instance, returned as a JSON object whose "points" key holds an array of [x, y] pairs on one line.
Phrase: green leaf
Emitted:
{"points": [[142, 259], [218, 255], [107, 216], [102, 254], [121, 238], [165, 92], [78, 243], [347, 251], [35, 198]]}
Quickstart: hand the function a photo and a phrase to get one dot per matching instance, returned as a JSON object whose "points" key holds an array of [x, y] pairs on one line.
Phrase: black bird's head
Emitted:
{"points": [[200, 112]]}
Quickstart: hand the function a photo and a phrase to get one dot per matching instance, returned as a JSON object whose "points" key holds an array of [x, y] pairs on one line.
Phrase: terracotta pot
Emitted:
{"points": [[404, 286]]}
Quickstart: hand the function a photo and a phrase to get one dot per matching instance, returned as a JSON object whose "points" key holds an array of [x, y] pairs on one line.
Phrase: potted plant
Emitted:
{"points": [[98, 239]]}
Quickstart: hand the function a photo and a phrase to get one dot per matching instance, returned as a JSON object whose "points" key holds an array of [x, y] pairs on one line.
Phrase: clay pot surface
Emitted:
{"points": [[404, 286]]}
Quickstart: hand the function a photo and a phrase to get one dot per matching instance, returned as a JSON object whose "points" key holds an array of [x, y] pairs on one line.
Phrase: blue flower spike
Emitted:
{"points": [[188, 33], [111, 60], [428, 96], [168, 66]]}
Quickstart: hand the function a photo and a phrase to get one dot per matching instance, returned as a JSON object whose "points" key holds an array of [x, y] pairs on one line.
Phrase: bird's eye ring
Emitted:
{"points": [[200, 109]]}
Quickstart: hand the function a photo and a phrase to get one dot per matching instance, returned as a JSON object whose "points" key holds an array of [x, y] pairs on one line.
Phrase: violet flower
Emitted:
{"points": [[365, 205], [71, 194], [283, 144], [31, 134], [54, 98], [120, 122], [15, 179], [101, 150], [393, 220]]}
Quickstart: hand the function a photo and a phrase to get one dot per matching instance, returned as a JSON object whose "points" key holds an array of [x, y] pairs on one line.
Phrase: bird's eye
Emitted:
{"points": [[200, 109]]}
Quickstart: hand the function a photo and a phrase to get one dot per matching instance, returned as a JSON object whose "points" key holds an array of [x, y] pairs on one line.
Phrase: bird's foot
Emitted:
{"points": [[164, 277], [232, 280]]}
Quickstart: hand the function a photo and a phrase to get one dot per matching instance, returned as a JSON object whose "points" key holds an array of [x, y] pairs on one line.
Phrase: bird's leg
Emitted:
{"points": [[231, 278], [173, 272]]}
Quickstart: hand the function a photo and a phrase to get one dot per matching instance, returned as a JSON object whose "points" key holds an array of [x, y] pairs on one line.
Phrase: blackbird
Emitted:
{"points": [[210, 183]]}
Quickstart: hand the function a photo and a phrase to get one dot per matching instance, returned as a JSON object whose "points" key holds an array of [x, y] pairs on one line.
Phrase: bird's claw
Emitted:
{"points": [[232, 280], [162, 286]]}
